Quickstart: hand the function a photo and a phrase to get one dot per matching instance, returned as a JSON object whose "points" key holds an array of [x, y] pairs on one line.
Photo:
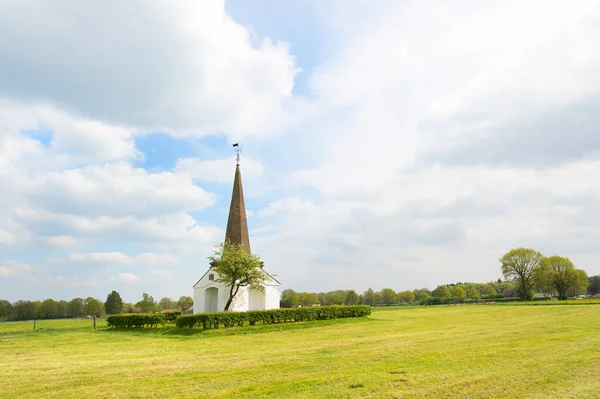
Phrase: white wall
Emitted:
{"points": [[272, 297], [244, 300]]}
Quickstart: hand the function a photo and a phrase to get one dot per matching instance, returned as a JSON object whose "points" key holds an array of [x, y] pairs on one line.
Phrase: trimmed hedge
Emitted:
{"points": [[137, 320], [253, 317], [171, 315]]}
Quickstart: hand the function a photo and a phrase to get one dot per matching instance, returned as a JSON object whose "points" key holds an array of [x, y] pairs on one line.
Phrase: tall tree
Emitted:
{"points": [[147, 304], [557, 275], [290, 299], [441, 291], [75, 307], [236, 268], [473, 293], [460, 293], [522, 265], [335, 298], [489, 290], [581, 283], [369, 297], [352, 298], [594, 285], [6, 309], [388, 296], [308, 298], [48, 309], [114, 303], [185, 303], [62, 308], [406, 297], [423, 296], [93, 307], [167, 303]]}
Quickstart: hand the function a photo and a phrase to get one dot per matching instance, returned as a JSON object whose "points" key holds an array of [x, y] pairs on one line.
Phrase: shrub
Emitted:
{"points": [[137, 320], [253, 317], [171, 315]]}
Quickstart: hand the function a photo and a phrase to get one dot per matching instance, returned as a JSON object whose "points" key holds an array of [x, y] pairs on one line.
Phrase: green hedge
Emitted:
{"points": [[172, 315], [135, 320], [230, 319]]}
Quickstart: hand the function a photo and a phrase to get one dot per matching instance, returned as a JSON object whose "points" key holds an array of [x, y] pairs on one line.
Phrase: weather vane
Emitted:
{"points": [[238, 149]]}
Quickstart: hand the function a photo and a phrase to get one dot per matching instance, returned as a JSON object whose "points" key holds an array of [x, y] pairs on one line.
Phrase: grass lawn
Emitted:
{"points": [[472, 351]]}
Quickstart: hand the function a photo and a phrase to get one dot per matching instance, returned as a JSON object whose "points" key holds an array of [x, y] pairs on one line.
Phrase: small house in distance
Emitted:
{"points": [[210, 296]]}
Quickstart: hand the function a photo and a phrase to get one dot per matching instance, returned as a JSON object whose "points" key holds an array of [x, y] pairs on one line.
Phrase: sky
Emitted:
{"points": [[399, 144]]}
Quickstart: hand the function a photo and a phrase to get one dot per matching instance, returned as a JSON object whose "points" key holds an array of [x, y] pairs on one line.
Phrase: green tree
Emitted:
{"points": [[352, 298], [236, 268], [473, 293], [308, 298], [75, 307], [25, 310], [594, 285], [423, 296], [441, 291], [114, 303], [581, 284], [460, 293], [522, 266], [369, 297], [334, 298], [557, 275], [388, 296], [6, 309], [167, 303], [185, 303], [406, 297], [489, 290], [290, 299], [147, 304], [62, 308], [93, 306], [48, 309]]}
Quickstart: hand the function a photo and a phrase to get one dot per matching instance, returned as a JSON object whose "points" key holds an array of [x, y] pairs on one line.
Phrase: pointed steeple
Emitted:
{"points": [[237, 225]]}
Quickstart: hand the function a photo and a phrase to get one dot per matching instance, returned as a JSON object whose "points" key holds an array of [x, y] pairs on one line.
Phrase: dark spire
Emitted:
{"points": [[237, 225]]}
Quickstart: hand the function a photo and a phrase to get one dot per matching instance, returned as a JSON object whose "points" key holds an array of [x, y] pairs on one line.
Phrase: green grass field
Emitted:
{"points": [[444, 351]]}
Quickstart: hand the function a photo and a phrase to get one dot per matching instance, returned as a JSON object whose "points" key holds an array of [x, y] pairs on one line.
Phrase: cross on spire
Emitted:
{"points": [[237, 150]]}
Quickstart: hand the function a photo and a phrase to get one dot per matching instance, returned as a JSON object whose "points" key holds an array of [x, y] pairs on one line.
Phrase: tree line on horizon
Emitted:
{"points": [[526, 272], [89, 307]]}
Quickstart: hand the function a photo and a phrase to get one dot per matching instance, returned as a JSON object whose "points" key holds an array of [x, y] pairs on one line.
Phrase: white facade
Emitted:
{"points": [[210, 296]]}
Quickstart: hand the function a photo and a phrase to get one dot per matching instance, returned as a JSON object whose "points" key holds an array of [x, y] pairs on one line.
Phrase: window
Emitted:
{"points": [[211, 277]]}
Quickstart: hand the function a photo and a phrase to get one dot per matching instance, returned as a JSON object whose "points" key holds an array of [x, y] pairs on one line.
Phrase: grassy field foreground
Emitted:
{"points": [[444, 351]]}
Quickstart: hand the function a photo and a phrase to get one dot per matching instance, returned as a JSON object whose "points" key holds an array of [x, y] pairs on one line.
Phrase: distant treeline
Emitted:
{"points": [[458, 292], [88, 307]]}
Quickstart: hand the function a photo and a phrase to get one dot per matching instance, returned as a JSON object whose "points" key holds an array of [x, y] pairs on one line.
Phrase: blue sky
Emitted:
{"points": [[385, 144]]}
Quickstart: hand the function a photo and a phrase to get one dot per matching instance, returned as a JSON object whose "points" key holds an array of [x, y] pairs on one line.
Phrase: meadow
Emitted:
{"points": [[475, 351]]}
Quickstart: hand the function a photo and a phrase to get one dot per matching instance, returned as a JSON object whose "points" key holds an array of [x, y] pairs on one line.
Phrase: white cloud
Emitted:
{"points": [[15, 269], [186, 67], [127, 278], [64, 242], [101, 257], [6, 237], [152, 259], [287, 206], [74, 139], [408, 81], [221, 170], [117, 189]]}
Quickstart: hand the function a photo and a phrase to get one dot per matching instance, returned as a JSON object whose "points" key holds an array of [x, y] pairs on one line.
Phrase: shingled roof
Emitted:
{"points": [[237, 224]]}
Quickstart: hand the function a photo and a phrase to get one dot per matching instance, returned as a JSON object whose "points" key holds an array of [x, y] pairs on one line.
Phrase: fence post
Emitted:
{"points": [[94, 322]]}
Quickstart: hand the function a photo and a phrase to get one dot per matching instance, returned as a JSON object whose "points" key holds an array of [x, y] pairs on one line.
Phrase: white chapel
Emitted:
{"points": [[210, 296]]}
